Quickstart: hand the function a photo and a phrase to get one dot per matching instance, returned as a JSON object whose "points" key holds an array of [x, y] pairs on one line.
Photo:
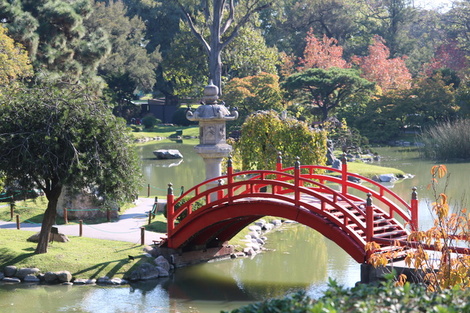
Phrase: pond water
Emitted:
{"points": [[301, 258]]}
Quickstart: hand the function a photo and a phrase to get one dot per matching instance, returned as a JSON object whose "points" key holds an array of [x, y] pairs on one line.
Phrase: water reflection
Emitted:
{"points": [[158, 173]]}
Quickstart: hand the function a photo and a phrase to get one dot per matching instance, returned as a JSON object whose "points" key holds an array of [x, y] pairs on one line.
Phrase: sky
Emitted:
{"points": [[433, 4]]}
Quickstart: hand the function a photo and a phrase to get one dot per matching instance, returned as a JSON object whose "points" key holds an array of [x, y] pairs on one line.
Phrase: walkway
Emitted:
{"points": [[127, 228]]}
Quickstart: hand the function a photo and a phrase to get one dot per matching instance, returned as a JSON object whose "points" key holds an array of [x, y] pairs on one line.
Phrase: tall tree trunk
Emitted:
{"points": [[49, 219], [215, 68]]}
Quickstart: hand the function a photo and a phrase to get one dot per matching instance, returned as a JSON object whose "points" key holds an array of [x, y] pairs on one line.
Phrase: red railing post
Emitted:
{"points": [[278, 169], [297, 181], [344, 174], [369, 218], [229, 179], [279, 161], [220, 193], [414, 210], [170, 211]]}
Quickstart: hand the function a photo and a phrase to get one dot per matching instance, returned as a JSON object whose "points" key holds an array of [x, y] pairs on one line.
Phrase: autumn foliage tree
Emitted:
{"points": [[253, 93], [325, 53], [377, 66], [450, 56], [444, 266], [14, 61]]}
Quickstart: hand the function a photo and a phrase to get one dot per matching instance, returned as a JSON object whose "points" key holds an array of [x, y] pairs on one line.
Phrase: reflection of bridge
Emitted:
{"points": [[325, 199]]}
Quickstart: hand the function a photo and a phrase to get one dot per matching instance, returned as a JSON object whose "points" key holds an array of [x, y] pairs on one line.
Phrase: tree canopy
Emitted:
{"points": [[55, 138], [14, 61], [129, 66], [216, 23], [58, 43], [328, 89], [265, 133]]}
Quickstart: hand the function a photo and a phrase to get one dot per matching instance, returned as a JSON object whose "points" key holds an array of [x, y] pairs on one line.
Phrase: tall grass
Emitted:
{"points": [[447, 141]]}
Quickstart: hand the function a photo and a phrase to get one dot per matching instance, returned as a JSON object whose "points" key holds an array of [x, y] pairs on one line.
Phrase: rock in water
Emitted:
{"points": [[167, 154]]}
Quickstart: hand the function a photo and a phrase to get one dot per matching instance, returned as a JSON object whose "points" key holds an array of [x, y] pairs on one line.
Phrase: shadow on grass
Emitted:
{"points": [[8, 258], [96, 271]]}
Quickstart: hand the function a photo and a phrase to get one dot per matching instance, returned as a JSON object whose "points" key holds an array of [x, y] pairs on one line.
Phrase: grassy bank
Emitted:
{"points": [[83, 257]]}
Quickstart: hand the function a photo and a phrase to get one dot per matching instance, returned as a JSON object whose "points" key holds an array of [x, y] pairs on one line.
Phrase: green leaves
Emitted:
{"points": [[264, 134]]}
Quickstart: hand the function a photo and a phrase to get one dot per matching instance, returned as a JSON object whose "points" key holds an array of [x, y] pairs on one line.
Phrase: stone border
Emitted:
{"points": [[160, 268]]}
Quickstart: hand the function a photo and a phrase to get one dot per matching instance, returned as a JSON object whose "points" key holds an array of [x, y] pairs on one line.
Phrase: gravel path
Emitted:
{"points": [[127, 228]]}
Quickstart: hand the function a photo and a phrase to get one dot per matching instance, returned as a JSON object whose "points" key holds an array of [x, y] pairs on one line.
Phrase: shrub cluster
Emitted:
{"points": [[384, 297]]}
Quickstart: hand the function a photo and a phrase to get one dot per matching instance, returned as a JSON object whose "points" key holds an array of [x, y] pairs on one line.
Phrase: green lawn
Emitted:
{"points": [[369, 170], [83, 257], [167, 131]]}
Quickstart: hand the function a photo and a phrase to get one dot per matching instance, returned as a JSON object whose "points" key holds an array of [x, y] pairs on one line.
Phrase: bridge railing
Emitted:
{"points": [[297, 180], [266, 184], [393, 203]]}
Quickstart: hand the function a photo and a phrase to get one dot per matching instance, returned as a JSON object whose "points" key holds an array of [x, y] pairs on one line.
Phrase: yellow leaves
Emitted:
{"points": [[14, 61], [439, 171], [401, 280], [372, 246], [444, 267], [378, 260]]}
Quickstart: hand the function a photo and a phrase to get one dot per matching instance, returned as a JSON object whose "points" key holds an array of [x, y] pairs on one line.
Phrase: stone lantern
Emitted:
{"points": [[212, 117]]}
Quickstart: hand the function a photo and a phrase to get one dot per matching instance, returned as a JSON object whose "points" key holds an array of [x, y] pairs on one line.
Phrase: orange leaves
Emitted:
{"points": [[324, 54], [439, 170], [389, 74], [446, 266]]}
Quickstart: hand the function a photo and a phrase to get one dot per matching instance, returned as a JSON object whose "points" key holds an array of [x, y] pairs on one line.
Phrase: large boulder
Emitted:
{"points": [[162, 263], [31, 279], [50, 278], [145, 271], [52, 237], [23, 272], [10, 270], [64, 276], [164, 154]]}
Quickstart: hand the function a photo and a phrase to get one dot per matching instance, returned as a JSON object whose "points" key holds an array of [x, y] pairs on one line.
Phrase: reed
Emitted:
{"points": [[447, 141]]}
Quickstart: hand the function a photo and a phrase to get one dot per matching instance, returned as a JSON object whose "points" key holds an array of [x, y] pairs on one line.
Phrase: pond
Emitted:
{"points": [[300, 258]]}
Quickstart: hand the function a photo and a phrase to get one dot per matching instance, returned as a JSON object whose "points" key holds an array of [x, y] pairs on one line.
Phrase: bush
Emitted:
{"points": [[179, 118], [150, 121], [196, 205], [368, 298], [449, 140]]}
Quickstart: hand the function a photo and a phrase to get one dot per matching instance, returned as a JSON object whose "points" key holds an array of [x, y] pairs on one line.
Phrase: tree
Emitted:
{"points": [[59, 45], [55, 138], [264, 134], [457, 22], [448, 56], [248, 55], [388, 73], [14, 61], [185, 66], [392, 17], [434, 99], [287, 22], [128, 67], [322, 54], [328, 89], [253, 93], [219, 19]]}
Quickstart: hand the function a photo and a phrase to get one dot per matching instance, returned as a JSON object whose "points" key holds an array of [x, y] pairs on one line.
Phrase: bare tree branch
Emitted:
{"points": [[193, 27]]}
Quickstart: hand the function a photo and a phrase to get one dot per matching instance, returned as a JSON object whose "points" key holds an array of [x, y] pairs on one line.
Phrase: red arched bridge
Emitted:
{"points": [[326, 199]]}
